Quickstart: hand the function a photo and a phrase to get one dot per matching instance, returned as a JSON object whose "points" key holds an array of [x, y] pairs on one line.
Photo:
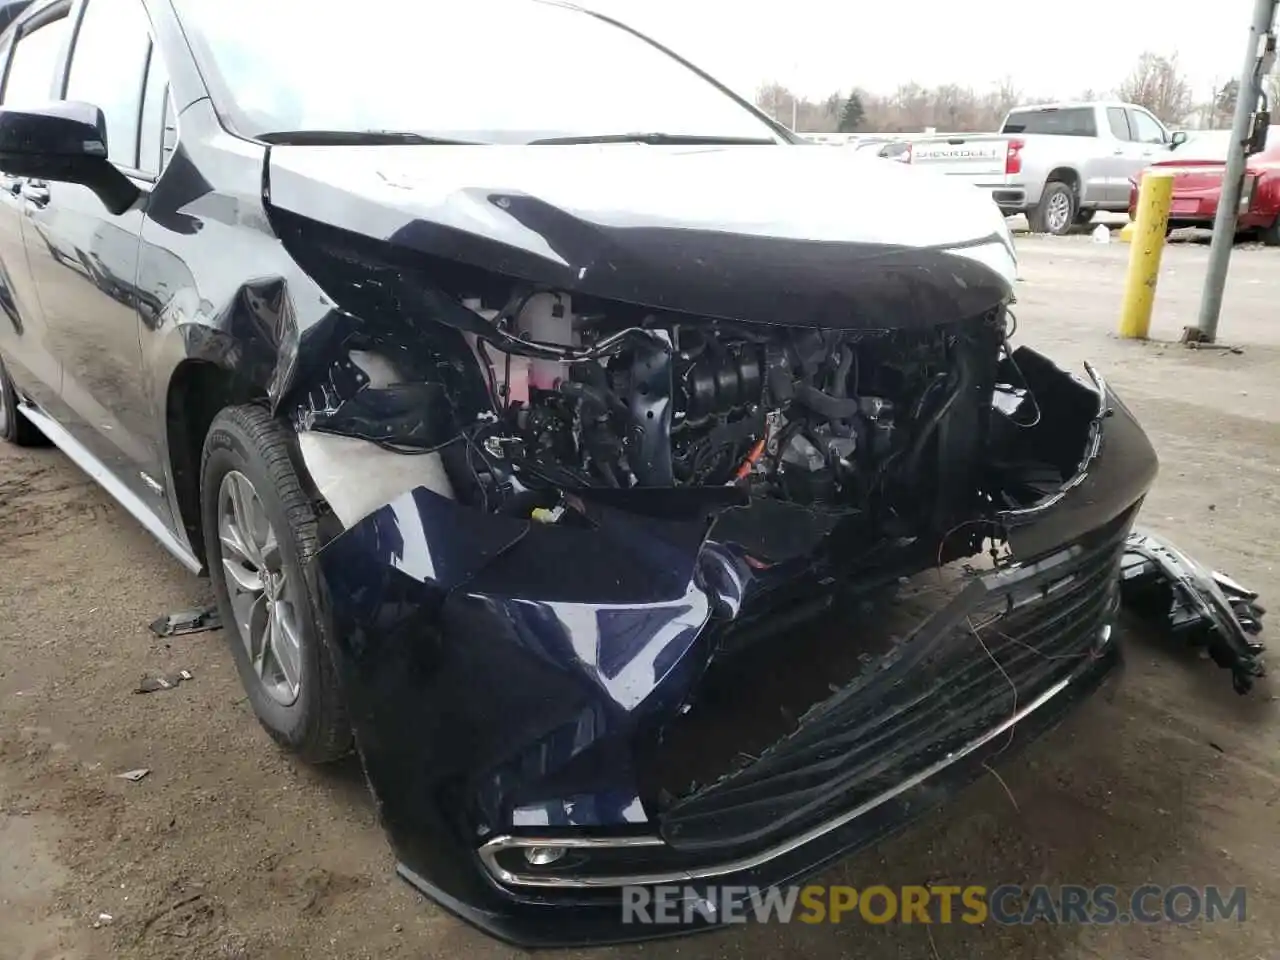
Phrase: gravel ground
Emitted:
{"points": [[229, 849]]}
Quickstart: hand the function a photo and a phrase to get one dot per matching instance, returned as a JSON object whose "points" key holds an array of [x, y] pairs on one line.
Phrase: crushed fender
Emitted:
{"points": [[1208, 609]]}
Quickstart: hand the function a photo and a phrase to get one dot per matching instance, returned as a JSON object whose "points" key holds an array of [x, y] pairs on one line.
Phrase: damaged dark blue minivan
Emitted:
{"points": [[646, 496]]}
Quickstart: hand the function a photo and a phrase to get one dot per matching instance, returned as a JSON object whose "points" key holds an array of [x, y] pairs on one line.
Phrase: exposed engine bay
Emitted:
{"points": [[885, 426]]}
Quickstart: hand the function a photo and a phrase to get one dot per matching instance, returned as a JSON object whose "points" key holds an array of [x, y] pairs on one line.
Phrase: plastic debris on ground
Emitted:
{"points": [[188, 621], [1205, 608], [133, 776], [164, 682]]}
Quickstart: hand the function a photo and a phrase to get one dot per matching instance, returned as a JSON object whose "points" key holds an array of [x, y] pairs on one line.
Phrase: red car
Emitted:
{"points": [[1198, 167]]}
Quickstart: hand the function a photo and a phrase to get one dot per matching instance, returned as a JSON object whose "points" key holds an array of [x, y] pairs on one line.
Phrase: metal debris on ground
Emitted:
{"points": [[188, 621], [164, 682], [1206, 608], [133, 776]]}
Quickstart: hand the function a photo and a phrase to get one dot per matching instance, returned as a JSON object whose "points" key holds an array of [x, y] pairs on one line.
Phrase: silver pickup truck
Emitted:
{"points": [[1056, 162]]}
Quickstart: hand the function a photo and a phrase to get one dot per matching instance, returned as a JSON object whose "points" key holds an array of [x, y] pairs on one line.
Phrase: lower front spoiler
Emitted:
{"points": [[557, 920]]}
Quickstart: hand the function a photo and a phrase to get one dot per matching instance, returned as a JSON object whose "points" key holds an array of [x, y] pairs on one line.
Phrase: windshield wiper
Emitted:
{"points": [[356, 138], [656, 139]]}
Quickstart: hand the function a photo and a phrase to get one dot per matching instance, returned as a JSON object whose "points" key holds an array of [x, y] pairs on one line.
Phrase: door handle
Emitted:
{"points": [[35, 193]]}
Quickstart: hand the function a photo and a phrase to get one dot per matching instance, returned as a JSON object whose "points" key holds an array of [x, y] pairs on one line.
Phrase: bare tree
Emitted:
{"points": [[1224, 103], [775, 100], [1271, 84], [1004, 97], [910, 109], [1157, 83], [834, 105]]}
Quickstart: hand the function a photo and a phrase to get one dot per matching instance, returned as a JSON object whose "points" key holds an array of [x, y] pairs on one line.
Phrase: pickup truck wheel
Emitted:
{"points": [[1083, 217], [14, 427], [259, 536], [1271, 233], [1056, 210]]}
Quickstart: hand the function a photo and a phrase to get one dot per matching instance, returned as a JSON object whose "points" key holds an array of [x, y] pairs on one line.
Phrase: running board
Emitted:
{"points": [[91, 465]]}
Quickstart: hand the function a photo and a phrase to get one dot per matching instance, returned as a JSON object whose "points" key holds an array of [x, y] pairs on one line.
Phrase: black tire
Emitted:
{"points": [[1270, 234], [1083, 216], [1040, 216], [249, 440], [14, 427]]}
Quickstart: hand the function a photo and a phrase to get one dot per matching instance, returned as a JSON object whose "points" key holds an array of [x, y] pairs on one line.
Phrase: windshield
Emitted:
{"points": [[485, 71]]}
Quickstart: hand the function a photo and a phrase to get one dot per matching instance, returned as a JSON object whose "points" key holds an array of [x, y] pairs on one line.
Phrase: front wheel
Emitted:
{"points": [[259, 537], [1056, 211]]}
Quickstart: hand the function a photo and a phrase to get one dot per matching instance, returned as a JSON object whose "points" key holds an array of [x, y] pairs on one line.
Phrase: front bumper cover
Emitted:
{"points": [[481, 714], [536, 920]]}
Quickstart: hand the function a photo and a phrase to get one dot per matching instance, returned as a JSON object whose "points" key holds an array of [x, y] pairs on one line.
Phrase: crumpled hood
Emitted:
{"points": [[801, 235]]}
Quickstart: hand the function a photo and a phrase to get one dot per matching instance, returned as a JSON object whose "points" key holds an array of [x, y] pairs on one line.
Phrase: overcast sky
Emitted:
{"points": [[1051, 49]]}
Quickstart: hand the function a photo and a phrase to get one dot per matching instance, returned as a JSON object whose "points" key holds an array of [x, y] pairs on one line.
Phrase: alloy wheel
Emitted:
{"points": [[1059, 214], [263, 592]]}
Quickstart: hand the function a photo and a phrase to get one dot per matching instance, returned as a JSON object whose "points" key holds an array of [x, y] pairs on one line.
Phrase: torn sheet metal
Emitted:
{"points": [[188, 621], [1205, 607]]}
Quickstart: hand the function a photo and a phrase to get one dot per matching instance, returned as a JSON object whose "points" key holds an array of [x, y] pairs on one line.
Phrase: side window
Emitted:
{"points": [[33, 69], [1145, 127], [107, 67], [1119, 124], [156, 137]]}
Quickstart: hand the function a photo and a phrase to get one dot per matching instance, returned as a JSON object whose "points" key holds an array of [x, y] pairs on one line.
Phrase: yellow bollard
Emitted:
{"points": [[1155, 196]]}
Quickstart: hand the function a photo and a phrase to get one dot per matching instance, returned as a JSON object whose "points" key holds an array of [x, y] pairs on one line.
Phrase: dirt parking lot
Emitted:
{"points": [[228, 849]]}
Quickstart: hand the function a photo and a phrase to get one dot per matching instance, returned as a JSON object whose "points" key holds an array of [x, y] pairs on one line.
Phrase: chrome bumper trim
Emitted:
{"points": [[490, 850]]}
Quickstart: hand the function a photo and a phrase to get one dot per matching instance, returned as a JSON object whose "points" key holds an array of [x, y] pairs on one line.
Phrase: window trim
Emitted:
{"points": [[1128, 127], [132, 172], [142, 97], [6, 54], [167, 110], [29, 22], [1164, 132]]}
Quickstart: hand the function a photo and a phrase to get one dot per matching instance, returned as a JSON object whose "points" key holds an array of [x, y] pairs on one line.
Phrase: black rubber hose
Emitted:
{"points": [[825, 405], [961, 382]]}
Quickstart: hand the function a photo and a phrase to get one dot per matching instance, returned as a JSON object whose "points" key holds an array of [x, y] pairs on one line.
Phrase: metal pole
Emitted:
{"points": [[1224, 223]]}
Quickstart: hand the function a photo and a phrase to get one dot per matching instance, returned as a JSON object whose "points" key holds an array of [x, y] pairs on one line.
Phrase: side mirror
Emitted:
{"points": [[1178, 139], [65, 142]]}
